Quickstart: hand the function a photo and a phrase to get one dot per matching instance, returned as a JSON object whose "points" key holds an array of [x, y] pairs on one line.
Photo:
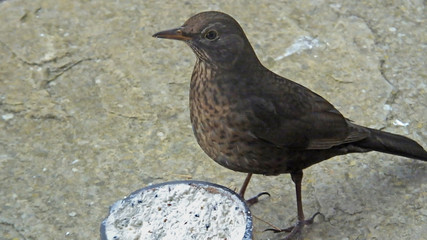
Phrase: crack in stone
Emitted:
{"points": [[317, 202], [48, 116], [377, 42], [383, 74], [124, 115], [391, 100], [393, 95], [57, 72], [39, 64], [53, 73], [9, 224], [348, 213]]}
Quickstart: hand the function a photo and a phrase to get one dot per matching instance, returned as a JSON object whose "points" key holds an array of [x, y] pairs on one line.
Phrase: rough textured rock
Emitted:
{"points": [[92, 108]]}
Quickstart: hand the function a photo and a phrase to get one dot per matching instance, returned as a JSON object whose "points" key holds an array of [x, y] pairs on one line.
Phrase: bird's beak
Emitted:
{"points": [[175, 33]]}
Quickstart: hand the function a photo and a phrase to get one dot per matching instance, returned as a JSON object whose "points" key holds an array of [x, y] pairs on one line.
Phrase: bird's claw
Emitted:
{"points": [[293, 230], [251, 201]]}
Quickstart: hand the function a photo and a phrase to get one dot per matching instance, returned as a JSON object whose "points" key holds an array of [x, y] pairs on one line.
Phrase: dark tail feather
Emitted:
{"points": [[393, 144]]}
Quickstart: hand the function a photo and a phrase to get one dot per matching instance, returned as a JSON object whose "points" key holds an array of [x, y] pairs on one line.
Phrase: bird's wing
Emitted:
{"points": [[290, 115]]}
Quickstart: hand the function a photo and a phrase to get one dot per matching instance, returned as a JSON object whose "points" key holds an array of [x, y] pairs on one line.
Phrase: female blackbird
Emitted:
{"points": [[251, 120]]}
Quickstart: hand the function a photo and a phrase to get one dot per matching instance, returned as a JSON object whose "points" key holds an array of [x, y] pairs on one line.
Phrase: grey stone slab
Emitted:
{"points": [[93, 108]]}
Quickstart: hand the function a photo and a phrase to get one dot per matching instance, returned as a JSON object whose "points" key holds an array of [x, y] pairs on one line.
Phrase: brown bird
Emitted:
{"points": [[249, 119]]}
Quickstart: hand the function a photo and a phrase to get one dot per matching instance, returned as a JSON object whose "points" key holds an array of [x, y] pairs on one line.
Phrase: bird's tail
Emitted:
{"points": [[393, 144]]}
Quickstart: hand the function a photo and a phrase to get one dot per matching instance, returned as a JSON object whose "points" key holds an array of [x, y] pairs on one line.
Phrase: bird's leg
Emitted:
{"points": [[245, 185], [242, 191], [297, 179]]}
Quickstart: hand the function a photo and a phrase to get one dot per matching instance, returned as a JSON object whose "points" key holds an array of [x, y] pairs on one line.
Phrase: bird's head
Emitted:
{"points": [[216, 38]]}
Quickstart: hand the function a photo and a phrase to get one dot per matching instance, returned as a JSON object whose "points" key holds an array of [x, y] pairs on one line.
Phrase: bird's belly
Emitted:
{"points": [[235, 147]]}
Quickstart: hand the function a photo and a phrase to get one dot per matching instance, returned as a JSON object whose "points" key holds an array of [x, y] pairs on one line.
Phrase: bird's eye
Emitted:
{"points": [[211, 35]]}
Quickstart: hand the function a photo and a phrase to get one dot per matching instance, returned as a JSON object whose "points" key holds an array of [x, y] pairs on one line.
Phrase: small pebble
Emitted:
{"points": [[7, 116]]}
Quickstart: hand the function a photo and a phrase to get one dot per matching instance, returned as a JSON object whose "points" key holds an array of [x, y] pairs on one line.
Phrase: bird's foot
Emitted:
{"points": [[294, 230], [251, 201]]}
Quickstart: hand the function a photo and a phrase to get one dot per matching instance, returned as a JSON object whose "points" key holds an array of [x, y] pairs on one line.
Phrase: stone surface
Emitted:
{"points": [[92, 108]]}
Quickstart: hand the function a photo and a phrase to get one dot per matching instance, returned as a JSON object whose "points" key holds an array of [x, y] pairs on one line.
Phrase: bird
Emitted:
{"points": [[251, 120]]}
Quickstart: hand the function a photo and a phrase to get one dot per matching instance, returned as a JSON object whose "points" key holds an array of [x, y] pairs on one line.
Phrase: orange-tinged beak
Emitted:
{"points": [[175, 33]]}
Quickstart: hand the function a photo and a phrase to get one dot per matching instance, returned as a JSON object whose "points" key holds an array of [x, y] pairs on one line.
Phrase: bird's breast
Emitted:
{"points": [[209, 109], [222, 125]]}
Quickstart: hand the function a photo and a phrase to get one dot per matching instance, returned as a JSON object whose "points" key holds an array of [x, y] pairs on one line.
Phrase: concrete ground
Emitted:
{"points": [[93, 108]]}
